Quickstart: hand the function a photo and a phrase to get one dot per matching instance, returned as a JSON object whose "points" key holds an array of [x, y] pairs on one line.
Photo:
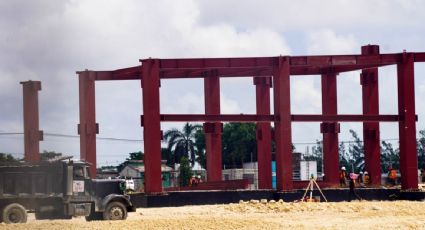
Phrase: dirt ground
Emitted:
{"points": [[258, 215]]}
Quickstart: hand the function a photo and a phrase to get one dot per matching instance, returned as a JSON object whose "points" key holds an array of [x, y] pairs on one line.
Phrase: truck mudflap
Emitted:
{"points": [[79, 209], [124, 199]]}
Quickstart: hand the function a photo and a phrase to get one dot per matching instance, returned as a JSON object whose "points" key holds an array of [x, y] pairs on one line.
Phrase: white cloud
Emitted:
{"points": [[49, 41], [306, 97], [229, 106], [327, 42], [286, 15]]}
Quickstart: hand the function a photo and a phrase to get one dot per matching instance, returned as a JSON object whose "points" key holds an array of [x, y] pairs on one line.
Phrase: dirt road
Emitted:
{"points": [[258, 215]]}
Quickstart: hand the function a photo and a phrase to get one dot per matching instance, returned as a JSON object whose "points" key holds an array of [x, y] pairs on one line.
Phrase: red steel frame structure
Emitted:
{"points": [[267, 72]]}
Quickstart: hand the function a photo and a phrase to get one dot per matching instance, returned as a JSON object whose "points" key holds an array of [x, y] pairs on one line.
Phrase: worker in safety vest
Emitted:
{"points": [[352, 184], [342, 177], [366, 178], [392, 176], [192, 181]]}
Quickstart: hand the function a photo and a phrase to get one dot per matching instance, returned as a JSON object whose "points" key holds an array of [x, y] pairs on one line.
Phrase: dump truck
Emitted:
{"points": [[60, 190]]}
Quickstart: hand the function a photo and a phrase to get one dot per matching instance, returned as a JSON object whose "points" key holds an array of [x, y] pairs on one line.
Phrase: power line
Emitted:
{"points": [[140, 140], [75, 136], [345, 142]]}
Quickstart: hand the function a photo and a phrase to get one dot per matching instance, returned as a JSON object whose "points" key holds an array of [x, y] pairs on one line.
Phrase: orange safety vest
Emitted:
{"points": [[393, 174], [342, 175], [366, 179]]}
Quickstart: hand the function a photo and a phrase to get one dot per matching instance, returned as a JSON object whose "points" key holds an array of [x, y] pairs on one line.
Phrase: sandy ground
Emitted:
{"points": [[258, 215]]}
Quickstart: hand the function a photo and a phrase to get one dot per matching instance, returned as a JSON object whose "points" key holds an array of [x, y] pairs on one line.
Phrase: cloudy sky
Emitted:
{"points": [[50, 40]]}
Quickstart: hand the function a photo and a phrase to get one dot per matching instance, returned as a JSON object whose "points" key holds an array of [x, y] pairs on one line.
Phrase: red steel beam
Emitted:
{"points": [[344, 118], [32, 134], [243, 67], [88, 128], [263, 132], [213, 130], [330, 130], [216, 118], [269, 118], [282, 109], [407, 126], [258, 66], [151, 126], [371, 136], [419, 57]]}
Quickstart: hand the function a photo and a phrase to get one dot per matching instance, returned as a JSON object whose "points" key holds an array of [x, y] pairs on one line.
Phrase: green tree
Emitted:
{"points": [[239, 144], [181, 143], [356, 152], [48, 155], [344, 157], [185, 172], [135, 156], [166, 154], [421, 149], [390, 157], [201, 157], [8, 159]]}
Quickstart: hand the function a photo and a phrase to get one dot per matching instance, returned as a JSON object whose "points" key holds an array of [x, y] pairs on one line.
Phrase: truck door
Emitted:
{"points": [[79, 177]]}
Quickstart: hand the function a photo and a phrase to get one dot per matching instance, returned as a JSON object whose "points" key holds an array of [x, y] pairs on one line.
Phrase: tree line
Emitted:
{"points": [[239, 146]]}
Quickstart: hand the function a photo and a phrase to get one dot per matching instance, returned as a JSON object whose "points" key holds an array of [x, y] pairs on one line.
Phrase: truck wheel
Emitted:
{"points": [[115, 211], [14, 213], [94, 216]]}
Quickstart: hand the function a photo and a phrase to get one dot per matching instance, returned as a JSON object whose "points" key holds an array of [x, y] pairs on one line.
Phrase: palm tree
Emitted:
{"points": [[182, 142]]}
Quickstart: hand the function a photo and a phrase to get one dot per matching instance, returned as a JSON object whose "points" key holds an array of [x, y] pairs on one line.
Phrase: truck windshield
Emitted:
{"points": [[78, 173]]}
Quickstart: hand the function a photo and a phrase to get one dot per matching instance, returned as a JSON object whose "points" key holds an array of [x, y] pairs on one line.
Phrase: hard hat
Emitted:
{"points": [[199, 176], [361, 172], [193, 176], [365, 172], [342, 168]]}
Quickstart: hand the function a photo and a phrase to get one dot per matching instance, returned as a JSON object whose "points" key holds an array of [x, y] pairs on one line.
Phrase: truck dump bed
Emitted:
{"points": [[44, 180]]}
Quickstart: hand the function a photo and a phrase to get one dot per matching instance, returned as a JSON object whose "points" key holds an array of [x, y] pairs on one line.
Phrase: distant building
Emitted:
{"points": [[250, 171], [107, 173], [135, 169]]}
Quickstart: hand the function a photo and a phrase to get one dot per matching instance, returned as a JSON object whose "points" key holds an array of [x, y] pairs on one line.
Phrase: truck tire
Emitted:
{"points": [[115, 211], [14, 213], [94, 216]]}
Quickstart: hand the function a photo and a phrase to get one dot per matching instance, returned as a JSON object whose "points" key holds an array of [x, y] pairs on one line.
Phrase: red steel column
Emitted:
{"points": [[213, 130], [330, 130], [264, 145], [407, 123], [32, 134], [88, 128], [371, 135], [282, 111], [151, 125]]}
